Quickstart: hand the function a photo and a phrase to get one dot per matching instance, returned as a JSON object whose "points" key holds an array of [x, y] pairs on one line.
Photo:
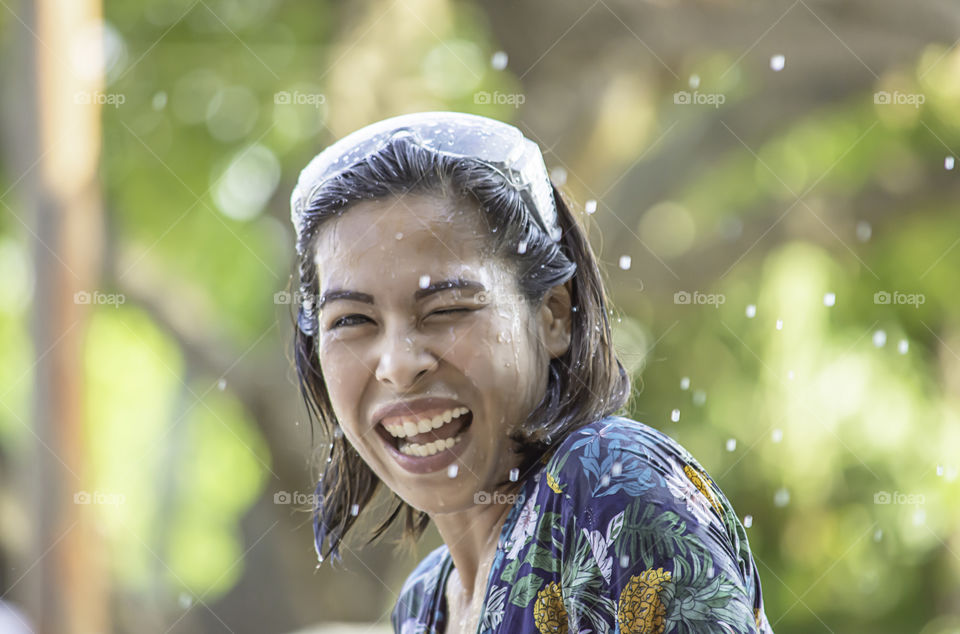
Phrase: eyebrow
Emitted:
{"points": [[434, 287]]}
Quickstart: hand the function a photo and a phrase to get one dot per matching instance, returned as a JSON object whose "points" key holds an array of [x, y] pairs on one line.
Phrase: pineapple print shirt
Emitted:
{"points": [[619, 530]]}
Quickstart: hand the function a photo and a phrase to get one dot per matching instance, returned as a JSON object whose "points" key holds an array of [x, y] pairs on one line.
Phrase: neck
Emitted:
{"points": [[471, 536]]}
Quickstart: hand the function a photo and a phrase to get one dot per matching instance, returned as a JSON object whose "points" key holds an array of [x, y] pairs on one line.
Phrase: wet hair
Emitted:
{"points": [[585, 384]]}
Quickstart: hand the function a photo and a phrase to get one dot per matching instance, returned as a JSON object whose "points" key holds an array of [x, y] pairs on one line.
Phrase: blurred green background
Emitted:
{"points": [[771, 189]]}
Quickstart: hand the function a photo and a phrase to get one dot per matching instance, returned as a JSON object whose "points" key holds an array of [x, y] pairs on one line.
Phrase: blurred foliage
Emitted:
{"points": [[802, 409]]}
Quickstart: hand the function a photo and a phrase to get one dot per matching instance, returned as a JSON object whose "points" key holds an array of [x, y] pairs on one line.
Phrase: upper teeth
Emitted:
{"points": [[411, 425]]}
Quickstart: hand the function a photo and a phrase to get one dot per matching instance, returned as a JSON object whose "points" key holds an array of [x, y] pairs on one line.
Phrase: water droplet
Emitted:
{"points": [[939, 470], [624, 561], [625, 262], [880, 338], [747, 521], [694, 82], [781, 497], [573, 309], [452, 470], [699, 397], [559, 176], [919, 517], [777, 62], [616, 469], [424, 281], [903, 346], [675, 415], [829, 299], [604, 480], [222, 384], [790, 375], [499, 60], [685, 383], [399, 235], [731, 444], [354, 509], [590, 206], [751, 311], [878, 534], [337, 433], [948, 163], [522, 247], [776, 435], [864, 231], [779, 324], [514, 474], [185, 600]]}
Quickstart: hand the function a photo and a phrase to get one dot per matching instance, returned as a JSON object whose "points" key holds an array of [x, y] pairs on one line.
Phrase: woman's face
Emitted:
{"points": [[414, 307]]}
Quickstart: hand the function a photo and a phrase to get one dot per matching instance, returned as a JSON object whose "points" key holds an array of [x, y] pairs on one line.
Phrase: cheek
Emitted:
{"points": [[344, 374]]}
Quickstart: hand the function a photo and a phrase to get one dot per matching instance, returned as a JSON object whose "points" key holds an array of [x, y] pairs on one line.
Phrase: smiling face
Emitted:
{"points": [[414, 306]]}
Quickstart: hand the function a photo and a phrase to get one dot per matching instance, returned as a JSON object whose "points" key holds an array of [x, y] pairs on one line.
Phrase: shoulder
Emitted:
{"points": [[418, 587], [617, 469], [616, 454]]}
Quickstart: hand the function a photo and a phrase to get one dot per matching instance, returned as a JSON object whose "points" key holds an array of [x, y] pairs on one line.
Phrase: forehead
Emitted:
{"points": [[402, 234]]}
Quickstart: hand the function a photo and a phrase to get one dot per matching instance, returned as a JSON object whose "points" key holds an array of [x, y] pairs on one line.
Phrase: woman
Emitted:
{"points": [[453, 341]]}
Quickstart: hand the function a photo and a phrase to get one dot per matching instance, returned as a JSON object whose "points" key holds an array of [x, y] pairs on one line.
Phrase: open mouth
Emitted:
{"points": [[422, 436]]}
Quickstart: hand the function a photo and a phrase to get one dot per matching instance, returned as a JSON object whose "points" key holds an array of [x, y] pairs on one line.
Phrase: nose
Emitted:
{"points": [[403, 360]]}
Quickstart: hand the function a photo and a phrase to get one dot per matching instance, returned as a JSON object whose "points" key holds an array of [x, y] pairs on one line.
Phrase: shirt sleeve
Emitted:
{"points": [[649, 543]]}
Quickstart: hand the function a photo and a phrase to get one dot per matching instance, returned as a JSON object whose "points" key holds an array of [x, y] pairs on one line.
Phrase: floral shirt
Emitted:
{"points": [[620, 530]]}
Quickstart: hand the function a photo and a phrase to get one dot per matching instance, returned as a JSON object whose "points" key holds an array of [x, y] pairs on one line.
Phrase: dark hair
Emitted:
{"points": [[585, 384]]}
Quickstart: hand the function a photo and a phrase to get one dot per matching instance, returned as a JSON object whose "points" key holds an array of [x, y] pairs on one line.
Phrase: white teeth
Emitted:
{"points": [[410, 425], [413, 449]]}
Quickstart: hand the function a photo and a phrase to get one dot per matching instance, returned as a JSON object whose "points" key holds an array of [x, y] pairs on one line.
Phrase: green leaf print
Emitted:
{"points": [[525, 590]]}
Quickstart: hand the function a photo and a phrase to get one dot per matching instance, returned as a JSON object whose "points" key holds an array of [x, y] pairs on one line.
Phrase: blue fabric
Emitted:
{"points": [[619, 530]]}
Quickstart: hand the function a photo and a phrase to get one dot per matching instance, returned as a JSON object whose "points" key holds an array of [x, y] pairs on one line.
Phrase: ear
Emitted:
{"points": [[555, 319]]}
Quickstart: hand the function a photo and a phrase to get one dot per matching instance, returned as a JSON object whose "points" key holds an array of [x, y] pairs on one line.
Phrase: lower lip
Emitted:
{"points": [[436, 462]]}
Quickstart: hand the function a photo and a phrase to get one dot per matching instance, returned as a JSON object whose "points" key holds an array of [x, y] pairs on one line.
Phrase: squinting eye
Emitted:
{"points": [[449, 310], [343, 321]]}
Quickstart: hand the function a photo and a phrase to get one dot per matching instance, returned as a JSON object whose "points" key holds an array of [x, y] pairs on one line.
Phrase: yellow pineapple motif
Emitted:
{"points": [[640, 610], [549, 615], [699, 481], [553, 484]]}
